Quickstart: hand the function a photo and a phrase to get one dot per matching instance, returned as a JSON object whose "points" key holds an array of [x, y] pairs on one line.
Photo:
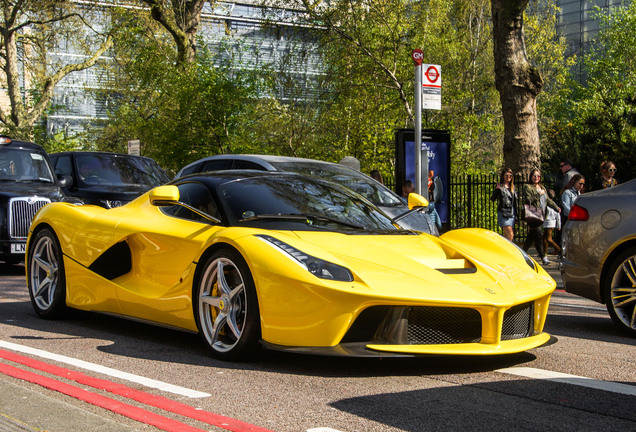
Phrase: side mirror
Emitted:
{"points": [[416, 201], [164, 196], [65, 180]]}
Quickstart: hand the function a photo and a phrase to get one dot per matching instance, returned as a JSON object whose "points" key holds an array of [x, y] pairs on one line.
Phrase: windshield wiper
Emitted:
{"points": [[298, 216]]}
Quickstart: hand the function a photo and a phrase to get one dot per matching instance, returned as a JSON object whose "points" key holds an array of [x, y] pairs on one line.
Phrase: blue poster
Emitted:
{"points": [[439, 177]]}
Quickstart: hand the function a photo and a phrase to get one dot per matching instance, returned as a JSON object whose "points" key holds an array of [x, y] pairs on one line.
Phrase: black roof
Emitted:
{"points": [[216, 178], [26, 145]]}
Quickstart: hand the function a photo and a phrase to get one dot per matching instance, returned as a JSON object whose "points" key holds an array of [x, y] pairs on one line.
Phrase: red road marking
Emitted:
{"points": [[156, 401], [130, 411]]}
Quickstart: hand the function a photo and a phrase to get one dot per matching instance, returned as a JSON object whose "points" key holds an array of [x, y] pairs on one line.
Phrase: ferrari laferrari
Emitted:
{"points": [[253, 259]]}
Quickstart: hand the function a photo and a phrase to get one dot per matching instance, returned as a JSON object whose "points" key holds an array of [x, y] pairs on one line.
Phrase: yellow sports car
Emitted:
{"points": [[251, 259]]}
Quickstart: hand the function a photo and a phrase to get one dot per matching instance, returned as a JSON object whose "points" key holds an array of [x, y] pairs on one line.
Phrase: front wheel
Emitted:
{"points": [[620, 291], [226, 306], [46, 282]]}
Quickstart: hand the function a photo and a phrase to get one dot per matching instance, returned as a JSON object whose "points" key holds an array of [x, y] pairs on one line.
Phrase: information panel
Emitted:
{"points": [[435, 144]]}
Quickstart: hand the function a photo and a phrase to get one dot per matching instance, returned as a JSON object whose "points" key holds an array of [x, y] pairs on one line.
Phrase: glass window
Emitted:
{"points": [[195, 195], [215, 165], [118, 170], [306, 204], [367, 187], [243, 164], [24, 165], [63, 165]]}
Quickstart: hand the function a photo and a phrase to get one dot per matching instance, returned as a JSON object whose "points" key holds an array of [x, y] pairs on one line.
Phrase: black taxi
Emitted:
{"points": [[27, 183]]}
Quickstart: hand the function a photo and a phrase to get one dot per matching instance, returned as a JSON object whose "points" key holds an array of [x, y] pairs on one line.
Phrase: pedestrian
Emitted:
{"points": [[407, 188], [506, 198], [535, 196], [375, 175], [551, 224], [571, 192], [567, 171], [606, 180]]}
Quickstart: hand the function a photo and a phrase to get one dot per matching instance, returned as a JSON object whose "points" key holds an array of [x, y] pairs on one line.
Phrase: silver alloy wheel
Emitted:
{"points": [[44, 272], [222, 304], [623, 293]]}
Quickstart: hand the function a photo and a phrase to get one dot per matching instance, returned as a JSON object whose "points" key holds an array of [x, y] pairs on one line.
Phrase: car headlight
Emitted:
{"points": [[316, 266]]}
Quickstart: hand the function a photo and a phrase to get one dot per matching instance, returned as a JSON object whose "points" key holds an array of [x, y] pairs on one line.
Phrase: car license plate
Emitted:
{"points": [[18, 248]]}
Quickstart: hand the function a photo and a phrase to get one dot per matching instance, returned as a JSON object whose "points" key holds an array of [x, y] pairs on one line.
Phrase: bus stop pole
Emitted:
{"points": [[418, 128]]}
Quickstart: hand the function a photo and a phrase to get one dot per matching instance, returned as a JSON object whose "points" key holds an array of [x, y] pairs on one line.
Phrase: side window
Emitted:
{"points": [[216, 165], [192, 169], [198, 196], [241, 164], [63, 165]]}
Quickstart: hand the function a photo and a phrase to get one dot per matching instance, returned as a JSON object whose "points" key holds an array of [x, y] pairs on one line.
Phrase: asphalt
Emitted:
{"points": [[45, 413]]}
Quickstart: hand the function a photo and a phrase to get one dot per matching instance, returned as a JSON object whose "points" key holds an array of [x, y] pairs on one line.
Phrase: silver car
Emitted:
{"points": [[387, 200], [599, 251]]}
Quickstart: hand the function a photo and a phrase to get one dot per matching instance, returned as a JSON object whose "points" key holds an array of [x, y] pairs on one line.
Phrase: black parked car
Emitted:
{"points": [[106, 179], [27, 184]]}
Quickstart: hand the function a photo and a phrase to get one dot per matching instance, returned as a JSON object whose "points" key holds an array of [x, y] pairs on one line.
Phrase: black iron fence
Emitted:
{"points": [[470, 205]]}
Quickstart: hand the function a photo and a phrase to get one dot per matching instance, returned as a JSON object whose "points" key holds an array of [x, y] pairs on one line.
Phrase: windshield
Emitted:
{"points": [[304, 203], [119, 170], [375, 192], [21, 165]]}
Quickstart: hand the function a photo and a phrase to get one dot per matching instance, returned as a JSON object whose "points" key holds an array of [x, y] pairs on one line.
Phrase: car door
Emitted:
{"points": [[165, 245]]}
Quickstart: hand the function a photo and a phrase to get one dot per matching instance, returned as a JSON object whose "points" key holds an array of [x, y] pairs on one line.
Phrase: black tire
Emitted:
{"points": [[620, 291], [46, 281], [226, 308]]}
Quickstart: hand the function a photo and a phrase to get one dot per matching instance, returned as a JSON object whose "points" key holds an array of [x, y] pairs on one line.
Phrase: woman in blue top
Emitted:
{"points": [[570, 192]]}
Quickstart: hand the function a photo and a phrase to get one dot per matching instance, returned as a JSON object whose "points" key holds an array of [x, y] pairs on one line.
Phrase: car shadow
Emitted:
{"points": [[11, 269], [598, 328], [505, 404], [144, 341]]}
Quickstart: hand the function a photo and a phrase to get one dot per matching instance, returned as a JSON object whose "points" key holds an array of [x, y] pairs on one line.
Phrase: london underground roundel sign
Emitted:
{"points": [[432, 74]]}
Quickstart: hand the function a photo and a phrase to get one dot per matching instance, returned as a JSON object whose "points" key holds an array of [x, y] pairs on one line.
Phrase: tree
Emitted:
{"points": [[518, 83], [179, 114], [181, 18], [29, 30], [598, 121], [367, 80]]}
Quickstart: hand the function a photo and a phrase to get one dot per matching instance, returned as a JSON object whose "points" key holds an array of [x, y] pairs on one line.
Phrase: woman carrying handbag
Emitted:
{"points": [[535, 199]]}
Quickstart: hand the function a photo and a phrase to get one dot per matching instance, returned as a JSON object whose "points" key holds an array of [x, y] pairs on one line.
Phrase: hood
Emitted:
{"points": [[427, 267], [123, 193], [34, 188]]}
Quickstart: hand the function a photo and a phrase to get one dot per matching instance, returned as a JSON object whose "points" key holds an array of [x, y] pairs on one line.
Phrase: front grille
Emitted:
{"points": [[443, 325], [21, 212], [518, 322]]}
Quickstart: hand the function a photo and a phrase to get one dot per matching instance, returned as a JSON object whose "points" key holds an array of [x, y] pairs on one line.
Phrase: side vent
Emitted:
{"points": [[113, 263]]}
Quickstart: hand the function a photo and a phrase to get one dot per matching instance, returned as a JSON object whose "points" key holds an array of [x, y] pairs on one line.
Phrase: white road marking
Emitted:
{"points": [[571, 379], [160, 385], [323, 429]]}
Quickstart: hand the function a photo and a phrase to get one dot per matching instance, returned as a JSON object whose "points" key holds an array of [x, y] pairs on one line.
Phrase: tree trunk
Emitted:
{"points": [[518, 84], [181, 18]]}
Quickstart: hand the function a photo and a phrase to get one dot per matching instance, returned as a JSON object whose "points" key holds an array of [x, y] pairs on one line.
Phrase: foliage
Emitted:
{"points": [[367, 86], [31, 32], [179, 113], [597, 122]]}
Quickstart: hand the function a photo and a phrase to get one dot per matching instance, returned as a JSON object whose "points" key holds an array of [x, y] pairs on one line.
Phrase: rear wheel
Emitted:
{"points": [[226, 306], [46, 282], [620, 291]]}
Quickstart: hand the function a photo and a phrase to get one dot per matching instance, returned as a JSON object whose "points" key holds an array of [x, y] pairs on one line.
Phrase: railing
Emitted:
{"points": [[470, 205]]}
